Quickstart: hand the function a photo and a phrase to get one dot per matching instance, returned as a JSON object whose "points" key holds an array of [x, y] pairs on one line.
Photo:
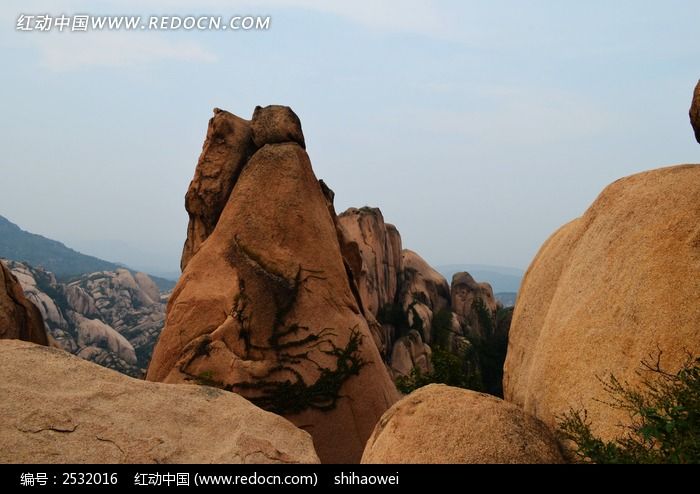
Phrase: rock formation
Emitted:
{"points": [[19, 318], [695, 112], [376, 272], [441, 424], [473, 302], [265, 307], [605, 292], [227, 147], [57, 408], [112, 318], [411, 352], [424, 293], [410, 307]]}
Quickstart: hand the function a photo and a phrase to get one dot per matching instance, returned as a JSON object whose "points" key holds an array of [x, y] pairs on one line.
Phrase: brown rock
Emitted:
{"points": [[148, 286], [441, 424], [19, 318], [604, 292], [467, 294], [276, 124], [695, 112], [265, 309], [376, 270], [424, 292], [409, 352], [228, 145], [57, 408]]}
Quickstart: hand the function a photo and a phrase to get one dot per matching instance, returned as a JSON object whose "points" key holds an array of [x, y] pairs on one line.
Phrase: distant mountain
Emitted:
{"points": [[124, 253], [51, 255], [502, 279]]}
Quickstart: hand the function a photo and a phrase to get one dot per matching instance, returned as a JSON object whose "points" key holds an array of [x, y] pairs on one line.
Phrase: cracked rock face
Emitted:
{"points": [[19, 318], [57, 408], [482, 429], [265, 308]]}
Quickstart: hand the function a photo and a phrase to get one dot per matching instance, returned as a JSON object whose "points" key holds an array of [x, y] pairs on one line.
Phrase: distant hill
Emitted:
{"points": [[51, 255], [502, 279], [43, 252]]}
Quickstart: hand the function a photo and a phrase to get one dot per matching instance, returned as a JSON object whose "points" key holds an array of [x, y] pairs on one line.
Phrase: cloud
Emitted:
{"points": [[115, 49]]}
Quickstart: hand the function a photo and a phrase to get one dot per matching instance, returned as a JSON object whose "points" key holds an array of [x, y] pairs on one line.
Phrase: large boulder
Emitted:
{"points": [[442, 424], [605, 292], [695, 112], [265, 308], [57, 408], [19, 318]]}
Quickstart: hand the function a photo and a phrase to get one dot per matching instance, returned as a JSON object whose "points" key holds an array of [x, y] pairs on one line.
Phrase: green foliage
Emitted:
{"points": [[294, 396], [206, 378], [441, 327], [448, 368], [664, 419], [486, 319], [491, 349]]}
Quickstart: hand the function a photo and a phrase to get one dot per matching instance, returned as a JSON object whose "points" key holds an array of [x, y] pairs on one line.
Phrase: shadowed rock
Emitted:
{"points": [[19, 318]]}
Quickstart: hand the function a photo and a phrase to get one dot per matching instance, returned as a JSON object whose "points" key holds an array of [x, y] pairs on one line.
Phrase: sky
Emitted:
{"points": [[477, 127]]}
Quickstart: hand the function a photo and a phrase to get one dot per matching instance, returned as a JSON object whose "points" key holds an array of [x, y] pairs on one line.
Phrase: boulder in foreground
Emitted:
{"points": [[605, 292], [442, 424], [57, 408]]}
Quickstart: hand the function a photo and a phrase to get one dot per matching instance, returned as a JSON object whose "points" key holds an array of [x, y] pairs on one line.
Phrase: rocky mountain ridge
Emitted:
{"points": [[112, 318]]}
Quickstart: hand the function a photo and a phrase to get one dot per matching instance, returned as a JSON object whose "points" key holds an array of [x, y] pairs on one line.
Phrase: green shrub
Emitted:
{"points": [[441, 327], [664, 417], [448, 368]]}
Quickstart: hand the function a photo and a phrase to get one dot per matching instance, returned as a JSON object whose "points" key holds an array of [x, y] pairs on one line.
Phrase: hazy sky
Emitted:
{"points": [[478, 128]]}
